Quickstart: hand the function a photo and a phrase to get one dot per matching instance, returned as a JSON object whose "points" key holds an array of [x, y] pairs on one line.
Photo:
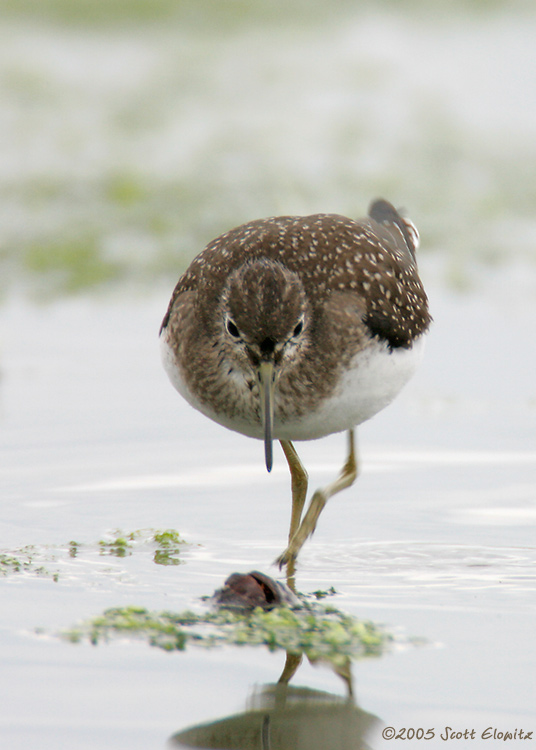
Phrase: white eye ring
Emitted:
{"points": [[232, 328], [298, 328]]}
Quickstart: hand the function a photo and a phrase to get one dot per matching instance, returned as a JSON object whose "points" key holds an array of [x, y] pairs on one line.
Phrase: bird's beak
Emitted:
{"points": [[266, 377]]}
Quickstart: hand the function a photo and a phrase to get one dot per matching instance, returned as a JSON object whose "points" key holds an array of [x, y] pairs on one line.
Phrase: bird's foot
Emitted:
{"points": [[305, 530], [290, 555], [287, 558]]}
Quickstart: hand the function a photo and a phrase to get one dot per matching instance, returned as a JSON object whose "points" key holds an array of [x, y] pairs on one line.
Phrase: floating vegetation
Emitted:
{"points": [[169, 544], [165, 547], [119, 547], [323, 593], [319, 632], [16, 562], [24, 560]]}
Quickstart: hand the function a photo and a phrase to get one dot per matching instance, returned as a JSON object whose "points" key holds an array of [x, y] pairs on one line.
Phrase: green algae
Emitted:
{"points": [[321, 633], [166, 546], [25, 560]]}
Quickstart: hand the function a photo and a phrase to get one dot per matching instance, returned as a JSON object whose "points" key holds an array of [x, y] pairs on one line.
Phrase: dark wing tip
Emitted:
{"points": [[385, 213]]}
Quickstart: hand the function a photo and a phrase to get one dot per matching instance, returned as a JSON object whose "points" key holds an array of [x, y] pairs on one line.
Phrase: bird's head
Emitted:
{"points": [[265, 321]]}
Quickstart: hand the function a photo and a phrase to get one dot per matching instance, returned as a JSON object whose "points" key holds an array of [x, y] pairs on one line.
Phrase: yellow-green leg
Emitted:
{"points": [[345, 479], [292, 663], [299, 483]]}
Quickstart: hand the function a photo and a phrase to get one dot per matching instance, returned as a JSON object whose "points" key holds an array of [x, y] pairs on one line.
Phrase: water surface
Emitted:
{"points": [[129, 141], [436, 539]]}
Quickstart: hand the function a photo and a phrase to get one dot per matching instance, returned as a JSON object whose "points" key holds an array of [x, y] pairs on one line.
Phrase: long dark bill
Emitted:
{"points": [[266, 388]]}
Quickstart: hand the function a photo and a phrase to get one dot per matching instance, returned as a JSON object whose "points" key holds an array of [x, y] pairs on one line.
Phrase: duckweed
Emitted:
{"points": [[321, 633], [167, 545]]}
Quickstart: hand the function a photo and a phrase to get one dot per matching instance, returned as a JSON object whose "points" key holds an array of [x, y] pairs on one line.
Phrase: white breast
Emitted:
{"points": [[373, 380]]}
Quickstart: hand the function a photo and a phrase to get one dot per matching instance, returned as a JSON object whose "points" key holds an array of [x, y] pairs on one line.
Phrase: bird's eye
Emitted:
{"points": [[298, 329], [232, 329]]}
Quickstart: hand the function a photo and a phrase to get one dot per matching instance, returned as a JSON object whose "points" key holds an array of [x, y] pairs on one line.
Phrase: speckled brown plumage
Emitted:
{"points": [[331, 254], [360, 278], [296, 327]]}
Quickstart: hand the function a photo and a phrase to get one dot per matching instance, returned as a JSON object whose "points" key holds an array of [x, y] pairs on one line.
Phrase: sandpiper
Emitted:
{"points": [[296, 327]]}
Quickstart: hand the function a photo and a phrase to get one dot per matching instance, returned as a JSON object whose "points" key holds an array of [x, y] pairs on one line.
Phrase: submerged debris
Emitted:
{"points": [[292, 624], [249, 590]]}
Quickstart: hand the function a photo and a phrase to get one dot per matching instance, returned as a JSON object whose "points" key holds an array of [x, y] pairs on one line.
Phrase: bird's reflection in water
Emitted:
{"points": [[283, 717], [280, 716]]}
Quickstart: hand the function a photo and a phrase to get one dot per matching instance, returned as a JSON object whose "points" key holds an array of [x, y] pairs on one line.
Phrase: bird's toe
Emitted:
{"points": [[285, 558]]}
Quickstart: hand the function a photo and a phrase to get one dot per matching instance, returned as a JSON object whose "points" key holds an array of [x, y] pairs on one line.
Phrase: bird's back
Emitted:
{"points": [[373, 259]]}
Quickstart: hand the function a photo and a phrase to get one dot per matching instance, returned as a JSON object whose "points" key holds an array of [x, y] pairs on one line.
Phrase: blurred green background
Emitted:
{"points": [[134, 131]]}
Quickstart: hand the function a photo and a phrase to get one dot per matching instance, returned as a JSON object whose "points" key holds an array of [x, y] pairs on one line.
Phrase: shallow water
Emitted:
{"points": [[124, 147], [436, 539]]}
